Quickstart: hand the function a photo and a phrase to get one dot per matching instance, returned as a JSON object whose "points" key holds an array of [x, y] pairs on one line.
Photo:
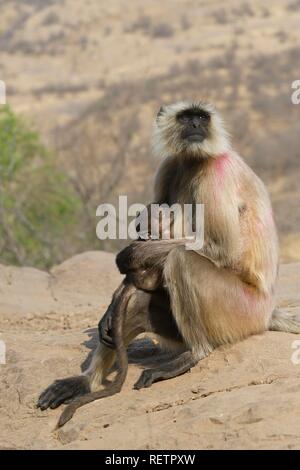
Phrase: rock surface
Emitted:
{"points": [[242, 396]]}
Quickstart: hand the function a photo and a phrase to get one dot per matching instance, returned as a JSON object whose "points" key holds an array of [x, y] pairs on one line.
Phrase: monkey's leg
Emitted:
{"points": [[149, 280], [212, 306], [162, 323], [65, 390], [115, 387], [170, 369]]}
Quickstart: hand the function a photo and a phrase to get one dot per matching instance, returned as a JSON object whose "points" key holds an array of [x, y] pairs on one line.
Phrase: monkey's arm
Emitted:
{"points": [[145, 255], [221, 244]]}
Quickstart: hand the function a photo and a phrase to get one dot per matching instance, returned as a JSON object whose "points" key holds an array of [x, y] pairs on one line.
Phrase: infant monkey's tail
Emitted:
{"points": [[116, 386]]}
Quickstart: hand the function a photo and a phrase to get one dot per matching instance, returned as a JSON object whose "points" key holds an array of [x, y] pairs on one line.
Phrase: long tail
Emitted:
{"points": [[285, 321], [117, 384]]}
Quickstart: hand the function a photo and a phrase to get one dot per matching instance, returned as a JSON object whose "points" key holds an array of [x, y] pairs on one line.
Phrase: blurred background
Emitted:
{"points": [[86, 77]]}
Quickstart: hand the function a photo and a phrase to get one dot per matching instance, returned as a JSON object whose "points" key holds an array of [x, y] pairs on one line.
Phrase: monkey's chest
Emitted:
{"points": [[188, 190]]}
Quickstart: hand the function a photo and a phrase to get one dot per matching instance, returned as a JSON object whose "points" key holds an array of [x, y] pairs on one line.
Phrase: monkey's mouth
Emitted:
{"points": [[193, 136]]}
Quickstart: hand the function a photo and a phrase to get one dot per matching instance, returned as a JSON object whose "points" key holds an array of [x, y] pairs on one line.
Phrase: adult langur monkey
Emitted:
{"points": [[198, 300]]}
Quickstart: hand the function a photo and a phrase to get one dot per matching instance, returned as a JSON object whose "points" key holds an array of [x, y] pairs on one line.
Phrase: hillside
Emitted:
{"points": [[92, 75]]}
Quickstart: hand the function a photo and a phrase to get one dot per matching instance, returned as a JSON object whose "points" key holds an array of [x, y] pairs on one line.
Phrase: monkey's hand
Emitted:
{"points": [[105, 330]]}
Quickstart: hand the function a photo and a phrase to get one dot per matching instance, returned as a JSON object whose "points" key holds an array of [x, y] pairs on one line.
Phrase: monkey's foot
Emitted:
{"points": [[173, 368], [63, 391], [147, 378]]}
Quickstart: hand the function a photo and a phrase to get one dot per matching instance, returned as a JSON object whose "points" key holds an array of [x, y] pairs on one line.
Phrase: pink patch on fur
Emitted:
{"points": [[221, 164], [249, 294]]}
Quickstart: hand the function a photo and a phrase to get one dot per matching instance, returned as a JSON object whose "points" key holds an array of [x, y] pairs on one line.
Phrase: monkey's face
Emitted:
{"points": [[192, 129], [195, 124]]}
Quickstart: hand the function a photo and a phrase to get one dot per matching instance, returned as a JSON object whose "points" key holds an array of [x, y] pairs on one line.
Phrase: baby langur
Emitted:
{"points": [[193, 300]]}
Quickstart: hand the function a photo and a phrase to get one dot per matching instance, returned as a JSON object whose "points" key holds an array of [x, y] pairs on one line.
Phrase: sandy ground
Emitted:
{"points": [[242, 396]]}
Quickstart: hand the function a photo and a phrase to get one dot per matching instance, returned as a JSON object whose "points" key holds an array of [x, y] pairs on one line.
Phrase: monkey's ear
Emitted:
{"points": [[160, 112]]}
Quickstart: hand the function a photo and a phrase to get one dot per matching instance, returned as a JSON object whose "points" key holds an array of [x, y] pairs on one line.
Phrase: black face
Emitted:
{"points": [[195, 124]]}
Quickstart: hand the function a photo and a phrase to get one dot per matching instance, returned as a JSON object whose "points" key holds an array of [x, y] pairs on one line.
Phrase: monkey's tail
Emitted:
{"points": [[285, 321], [117, 384]]}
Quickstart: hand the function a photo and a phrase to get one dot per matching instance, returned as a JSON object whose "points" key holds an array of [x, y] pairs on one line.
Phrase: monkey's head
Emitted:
{"points": [[192, 129]]}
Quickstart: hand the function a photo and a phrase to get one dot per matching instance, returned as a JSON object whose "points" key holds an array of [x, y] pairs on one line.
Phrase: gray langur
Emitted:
{"points": [[192, 300]]}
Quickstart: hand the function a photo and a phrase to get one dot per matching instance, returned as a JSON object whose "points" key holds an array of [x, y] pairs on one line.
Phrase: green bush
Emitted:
{"points": [[38, 208]]}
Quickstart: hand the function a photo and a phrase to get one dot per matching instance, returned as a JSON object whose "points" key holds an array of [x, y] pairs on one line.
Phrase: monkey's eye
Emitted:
{"points": [[190, 115], [184, 119], [204, 116]]}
